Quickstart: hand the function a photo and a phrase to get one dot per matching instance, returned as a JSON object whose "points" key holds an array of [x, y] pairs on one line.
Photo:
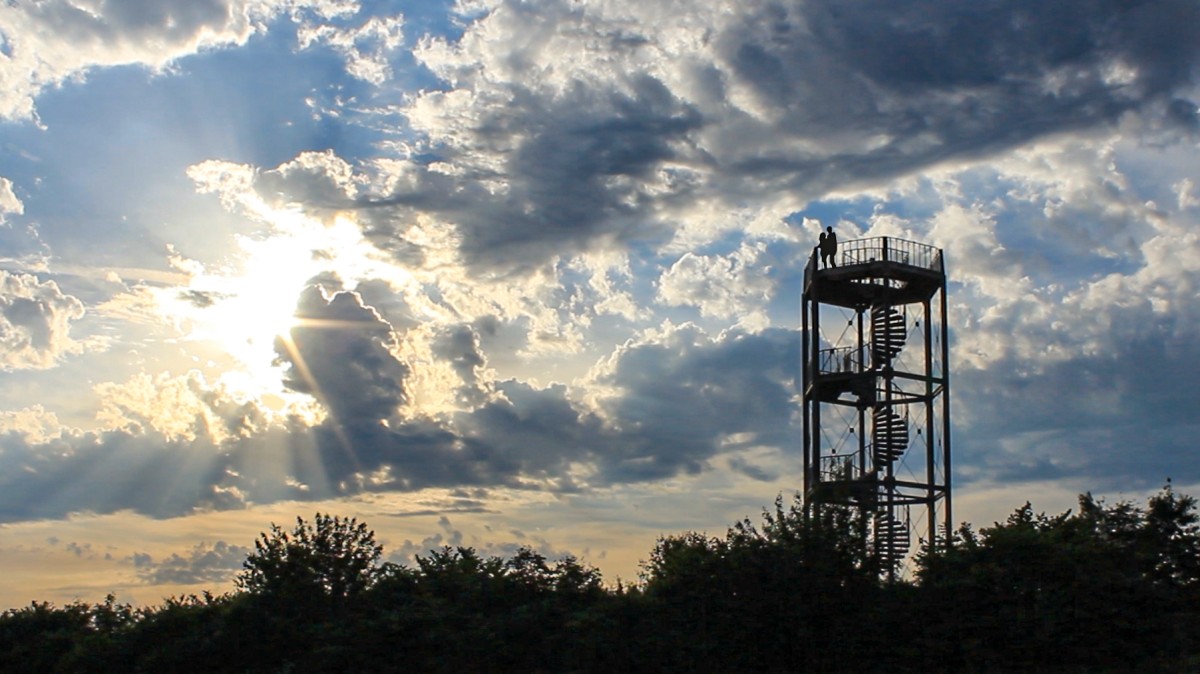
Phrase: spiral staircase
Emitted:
{"points": [[875, 393], [889, 430]]}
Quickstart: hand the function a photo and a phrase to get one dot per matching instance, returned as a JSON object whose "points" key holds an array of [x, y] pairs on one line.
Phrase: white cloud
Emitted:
{"points": [[365, 48], [1185, 189], [182, 407], [51, 41], [35, 322], [34, 423], [9, 203], [723, 286]]}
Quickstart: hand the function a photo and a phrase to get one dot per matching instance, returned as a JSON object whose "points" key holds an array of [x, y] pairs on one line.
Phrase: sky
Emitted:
{"points": [[503, 273]]}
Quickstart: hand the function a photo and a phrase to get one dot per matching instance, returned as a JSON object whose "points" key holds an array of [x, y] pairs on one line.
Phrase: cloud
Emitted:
{"points": [[677, 394], [672, 402], [341, 353], [365, 48], [35, 322], [105, 473], [720, 286], [1073, 308], [34, 424], [450, 536], [205, 563], [51, 41], [459, 346], [564, 177], [182, 407], [568, 132], [18, 243], [1110, 418], [9, 203], [579, 172]]}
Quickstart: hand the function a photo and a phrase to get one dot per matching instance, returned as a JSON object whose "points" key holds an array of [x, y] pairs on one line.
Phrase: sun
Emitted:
{"points": [[243, 309]]}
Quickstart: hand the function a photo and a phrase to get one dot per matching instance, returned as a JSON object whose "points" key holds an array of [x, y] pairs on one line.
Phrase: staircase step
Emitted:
{"points": [[889, 436], [892, 539], [888, 334]]}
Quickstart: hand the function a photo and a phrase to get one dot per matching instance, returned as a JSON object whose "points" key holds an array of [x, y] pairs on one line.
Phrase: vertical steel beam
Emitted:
{"points": [[930, 469], [946, 405]]}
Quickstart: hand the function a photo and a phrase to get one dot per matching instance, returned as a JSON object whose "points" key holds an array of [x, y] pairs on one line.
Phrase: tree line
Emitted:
{"points": [[1102, 588]]}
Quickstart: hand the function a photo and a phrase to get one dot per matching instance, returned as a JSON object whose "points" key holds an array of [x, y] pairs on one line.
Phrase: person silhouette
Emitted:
{"points": [[831, 245], [824, 249]]}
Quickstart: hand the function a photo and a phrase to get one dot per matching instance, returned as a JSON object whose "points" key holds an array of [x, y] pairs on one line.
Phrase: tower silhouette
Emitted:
{"points": [[876, 392]]}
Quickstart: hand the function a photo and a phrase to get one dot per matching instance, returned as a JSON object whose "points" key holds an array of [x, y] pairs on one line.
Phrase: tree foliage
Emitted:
{"points": [[331, 557], [1102, 588], [1110, 588]]}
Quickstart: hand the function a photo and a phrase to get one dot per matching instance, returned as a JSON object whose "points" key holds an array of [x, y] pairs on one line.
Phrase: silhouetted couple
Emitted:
{"points": [[827, 244]]}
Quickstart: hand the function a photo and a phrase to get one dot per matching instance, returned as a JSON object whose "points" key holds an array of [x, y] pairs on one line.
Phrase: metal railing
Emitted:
{"points": [[844, 467], [838, 468], [889, 249], [845, 360], [880, 249]]}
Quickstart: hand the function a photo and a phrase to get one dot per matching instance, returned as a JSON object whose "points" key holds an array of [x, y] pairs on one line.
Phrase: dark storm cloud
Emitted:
{"points": [[1115, 418], [459, 346], [843, 95], [339, 354], [572, 177], [674, 403], [937, 80], [679, 398]]}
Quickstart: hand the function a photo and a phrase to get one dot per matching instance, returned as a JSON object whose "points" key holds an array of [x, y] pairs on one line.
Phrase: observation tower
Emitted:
{"points": [[876, 392]]}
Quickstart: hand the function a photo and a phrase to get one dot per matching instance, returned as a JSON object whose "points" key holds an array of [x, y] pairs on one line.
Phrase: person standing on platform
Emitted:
{"points": [[831, 245]]}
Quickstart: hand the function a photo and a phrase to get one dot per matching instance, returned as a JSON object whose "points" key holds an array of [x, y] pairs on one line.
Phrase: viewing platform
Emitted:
{"points": [[876, 270]]}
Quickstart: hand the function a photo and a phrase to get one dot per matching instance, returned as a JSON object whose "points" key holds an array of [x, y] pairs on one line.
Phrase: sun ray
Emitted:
{"points": [[297, 359], [244, 308]]}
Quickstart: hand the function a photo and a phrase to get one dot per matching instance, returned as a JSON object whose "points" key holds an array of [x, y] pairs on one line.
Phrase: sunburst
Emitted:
{"points": [[245, 310]]}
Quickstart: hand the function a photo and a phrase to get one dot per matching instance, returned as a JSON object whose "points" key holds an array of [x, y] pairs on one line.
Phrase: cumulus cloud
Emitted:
{"points": [[677, 394], [366, 48], [204, 563], [9, 203], [180, 407], [341, 353], [573, 153], [459, 347], [672, 403], [720, 286], [564, 131], [35, 322], [50, 41], [34, 424]]}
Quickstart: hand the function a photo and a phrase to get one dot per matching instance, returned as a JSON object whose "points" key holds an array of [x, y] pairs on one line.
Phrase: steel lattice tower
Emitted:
{"points": [[876, 392]]}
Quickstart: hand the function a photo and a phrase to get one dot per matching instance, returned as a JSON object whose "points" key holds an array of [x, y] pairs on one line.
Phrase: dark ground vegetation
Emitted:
{"points": [[1104, 588]]}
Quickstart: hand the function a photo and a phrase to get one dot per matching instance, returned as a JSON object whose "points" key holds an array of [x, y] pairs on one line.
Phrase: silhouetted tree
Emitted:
{"points": [[333, 557], [298, 585], [1111, 588], [764, 597], [1102, 589]]}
